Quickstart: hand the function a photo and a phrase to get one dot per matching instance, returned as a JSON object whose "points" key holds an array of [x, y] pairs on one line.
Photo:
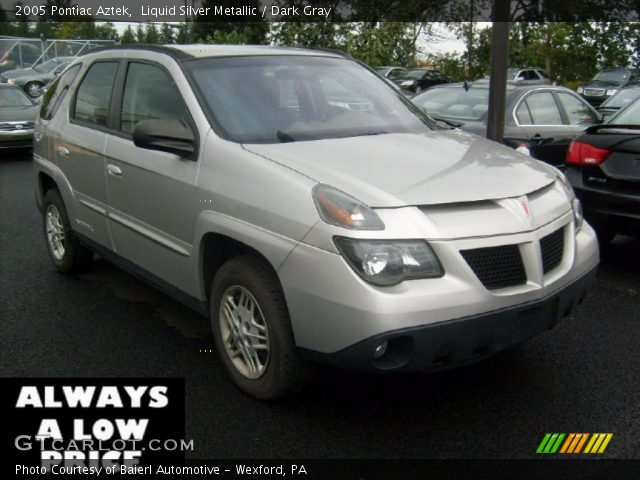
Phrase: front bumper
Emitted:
{"points": [[16, 139], [333, 310], [460, 341]]}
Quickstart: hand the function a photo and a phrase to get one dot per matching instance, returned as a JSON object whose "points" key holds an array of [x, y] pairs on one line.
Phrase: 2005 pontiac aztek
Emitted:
{"points": [[309, 209]]}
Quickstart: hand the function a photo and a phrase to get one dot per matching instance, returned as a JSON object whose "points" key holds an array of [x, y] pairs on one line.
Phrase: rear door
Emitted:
{"points": [[550, 120], [151, 193], [79, 148]]}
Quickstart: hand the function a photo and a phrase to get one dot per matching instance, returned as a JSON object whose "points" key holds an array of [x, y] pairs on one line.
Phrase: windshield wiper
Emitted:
{"points": [[448, 122]]}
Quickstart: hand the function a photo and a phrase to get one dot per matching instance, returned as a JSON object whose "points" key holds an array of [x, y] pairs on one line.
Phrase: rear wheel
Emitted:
{"points": [[33, 89], [252, 331], [66, 251]]}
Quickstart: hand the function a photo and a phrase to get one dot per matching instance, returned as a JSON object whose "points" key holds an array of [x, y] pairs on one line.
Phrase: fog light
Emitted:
{"points": [[380, 350]]}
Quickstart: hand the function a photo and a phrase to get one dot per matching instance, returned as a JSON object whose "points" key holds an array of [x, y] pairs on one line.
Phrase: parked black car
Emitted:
{"points": [[539, 120], [416, 80], [607, 83], [603, 165], [620, 100]]}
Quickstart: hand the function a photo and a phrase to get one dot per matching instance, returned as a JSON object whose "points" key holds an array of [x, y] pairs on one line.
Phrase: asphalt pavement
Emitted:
{"points": [[583, 376]]}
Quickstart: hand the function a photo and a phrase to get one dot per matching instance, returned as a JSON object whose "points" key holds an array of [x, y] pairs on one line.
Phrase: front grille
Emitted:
{"points": [[497, 267], [552, 249], [15, 126], [594, 92]]}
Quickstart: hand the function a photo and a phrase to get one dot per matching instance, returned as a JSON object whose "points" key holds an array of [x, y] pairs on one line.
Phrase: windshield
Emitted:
{"points": [[612, 76], [271, 99], [13, 97], [622, 98], [629, 116], [47, 66], [454, 102]]}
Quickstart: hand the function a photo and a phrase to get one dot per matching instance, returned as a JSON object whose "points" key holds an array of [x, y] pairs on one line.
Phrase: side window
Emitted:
{"points": [[543, 109], [149, 93], [94, 94], [577, 111], [523, 115], [56, 93]]}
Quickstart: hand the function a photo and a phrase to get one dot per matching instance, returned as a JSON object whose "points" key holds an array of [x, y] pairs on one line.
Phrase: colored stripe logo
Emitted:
{"points": [[594, 443]]}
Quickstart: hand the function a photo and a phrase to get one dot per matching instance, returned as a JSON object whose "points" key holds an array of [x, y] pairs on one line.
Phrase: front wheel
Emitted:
{"points": [[66, 251], [252, 331]]}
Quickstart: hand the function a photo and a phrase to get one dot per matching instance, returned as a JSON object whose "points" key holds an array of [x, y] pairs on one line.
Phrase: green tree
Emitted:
{"points": [[141, 36], [151, 35], [128, 36], [166, 34]]}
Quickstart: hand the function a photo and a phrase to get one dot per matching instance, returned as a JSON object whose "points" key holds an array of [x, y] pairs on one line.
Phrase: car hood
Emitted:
{"points": [[18, 114], [393, 170], [19, 73]]}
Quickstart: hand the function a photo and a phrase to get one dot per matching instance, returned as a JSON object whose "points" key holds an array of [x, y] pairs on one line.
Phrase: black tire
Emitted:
{"points": [[33, 89], [76, 257], [285, 371]]}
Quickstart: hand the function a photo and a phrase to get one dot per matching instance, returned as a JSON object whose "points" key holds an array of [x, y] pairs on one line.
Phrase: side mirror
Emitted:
{"points": [[166, 135]]}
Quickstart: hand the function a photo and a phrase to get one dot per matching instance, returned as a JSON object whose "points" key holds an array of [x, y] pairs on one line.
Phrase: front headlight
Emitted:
{"points": [[580, 90], [11, 81], [613, 91], [337, 208], [407, 83], [389, 262]]}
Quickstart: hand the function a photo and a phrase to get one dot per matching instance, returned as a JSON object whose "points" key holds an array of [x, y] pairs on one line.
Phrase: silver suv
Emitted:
{"points": [[305, 206]]}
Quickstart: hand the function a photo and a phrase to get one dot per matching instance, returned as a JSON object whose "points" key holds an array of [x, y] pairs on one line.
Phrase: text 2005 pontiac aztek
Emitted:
{"points": [[304, 205]]}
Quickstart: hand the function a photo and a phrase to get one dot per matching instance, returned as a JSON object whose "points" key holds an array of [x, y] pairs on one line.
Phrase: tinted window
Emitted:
{"points": [[523, 115], [149, 93], [543, 109], [56, 92], [577, 111], [94, 94]]}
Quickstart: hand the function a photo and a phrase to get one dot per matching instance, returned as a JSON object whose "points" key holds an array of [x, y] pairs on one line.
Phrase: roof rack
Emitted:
{"points": [[175, 53]]}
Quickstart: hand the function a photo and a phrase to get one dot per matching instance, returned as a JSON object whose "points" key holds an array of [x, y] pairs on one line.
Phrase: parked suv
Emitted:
{"points": [[367, 238], [607, 83]]}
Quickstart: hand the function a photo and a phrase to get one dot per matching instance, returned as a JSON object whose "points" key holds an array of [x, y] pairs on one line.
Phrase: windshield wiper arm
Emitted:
{"points": [[448, 122]]}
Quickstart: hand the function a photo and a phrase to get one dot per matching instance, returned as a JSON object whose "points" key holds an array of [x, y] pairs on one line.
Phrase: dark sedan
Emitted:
{"points": [[603, 165], [33, 79], [17, 113], [539, 120], [416, 80]]}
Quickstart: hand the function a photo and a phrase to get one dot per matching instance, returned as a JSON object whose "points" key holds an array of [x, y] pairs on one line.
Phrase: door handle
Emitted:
{"points": [[62, 151], [538, 139], [114, 170]]}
